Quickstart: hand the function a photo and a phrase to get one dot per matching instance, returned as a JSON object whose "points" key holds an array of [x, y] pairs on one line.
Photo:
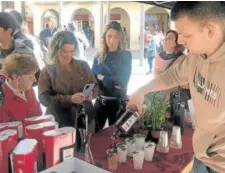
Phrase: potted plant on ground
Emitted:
{"points": [[154, 116]]}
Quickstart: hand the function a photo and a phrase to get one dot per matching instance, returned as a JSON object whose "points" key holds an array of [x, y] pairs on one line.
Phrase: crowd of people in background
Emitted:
{"points": [[55, 63], [62, 71], [64, 75], [153, 44]]}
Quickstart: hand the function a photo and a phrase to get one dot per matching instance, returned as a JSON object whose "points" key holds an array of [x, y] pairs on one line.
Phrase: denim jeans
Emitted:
{"points": [[150, 62], [199, 167]]}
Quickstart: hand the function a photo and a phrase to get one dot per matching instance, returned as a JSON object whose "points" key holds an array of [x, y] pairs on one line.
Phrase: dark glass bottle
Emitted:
{"points": [[126, 122]]}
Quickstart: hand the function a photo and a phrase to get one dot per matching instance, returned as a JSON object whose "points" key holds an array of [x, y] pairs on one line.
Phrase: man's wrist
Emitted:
{"points": [[142, 91]]}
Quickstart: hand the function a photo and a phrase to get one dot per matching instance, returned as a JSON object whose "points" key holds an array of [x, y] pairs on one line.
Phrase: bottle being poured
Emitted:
{"points": [[125, 123]]}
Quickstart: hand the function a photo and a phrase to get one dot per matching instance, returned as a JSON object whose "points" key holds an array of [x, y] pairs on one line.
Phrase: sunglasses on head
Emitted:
{"points": [[115, 25]]}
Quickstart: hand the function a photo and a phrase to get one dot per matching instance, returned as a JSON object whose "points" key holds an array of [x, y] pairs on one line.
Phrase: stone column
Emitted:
{"points": [[18, 5], [142, 26]]}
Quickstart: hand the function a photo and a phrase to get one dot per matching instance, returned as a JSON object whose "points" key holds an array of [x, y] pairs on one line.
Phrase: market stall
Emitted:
{"points": [[175, 161]]}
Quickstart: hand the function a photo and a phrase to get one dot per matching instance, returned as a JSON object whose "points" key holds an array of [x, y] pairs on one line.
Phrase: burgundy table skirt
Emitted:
{"points": [[173, 162]]}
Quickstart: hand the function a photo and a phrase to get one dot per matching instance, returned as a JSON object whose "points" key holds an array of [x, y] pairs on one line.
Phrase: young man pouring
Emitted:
{"points": [[201, 28]]}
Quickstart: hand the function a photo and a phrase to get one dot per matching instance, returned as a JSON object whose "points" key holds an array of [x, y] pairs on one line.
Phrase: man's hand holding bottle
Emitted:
{"points": [[135, 102]]}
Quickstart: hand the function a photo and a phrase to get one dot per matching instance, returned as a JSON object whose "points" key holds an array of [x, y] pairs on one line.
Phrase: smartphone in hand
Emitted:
{"points": [[88, 88]]}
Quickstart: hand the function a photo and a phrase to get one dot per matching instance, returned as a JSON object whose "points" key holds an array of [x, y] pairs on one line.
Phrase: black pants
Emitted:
{"points": [[65, 114], [105, 110]]}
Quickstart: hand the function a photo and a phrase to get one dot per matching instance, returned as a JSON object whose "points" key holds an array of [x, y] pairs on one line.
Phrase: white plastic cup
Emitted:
{"points": [[122, 152], [149, 151], [138, 159], [139, 141], [176, 135], [131, 146], [163, 139]]}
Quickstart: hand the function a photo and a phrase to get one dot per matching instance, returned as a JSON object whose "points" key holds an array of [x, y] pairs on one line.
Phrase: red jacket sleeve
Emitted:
{"points": [[4, 116]]}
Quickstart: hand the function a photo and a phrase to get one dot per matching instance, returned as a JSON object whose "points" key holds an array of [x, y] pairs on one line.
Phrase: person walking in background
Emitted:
{"points": [[126, 37], [92, 39], [39, 49], [159, 37], [146, 41], [82, 41], [49, 30], [151, 52]]}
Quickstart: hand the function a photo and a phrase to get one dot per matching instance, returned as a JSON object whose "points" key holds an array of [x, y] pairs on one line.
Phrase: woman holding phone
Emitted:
{"points": [[62, 82], [112, 68]]}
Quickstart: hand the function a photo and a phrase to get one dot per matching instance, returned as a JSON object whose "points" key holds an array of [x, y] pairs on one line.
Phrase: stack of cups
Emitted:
{"points": [[163, 144], [175, 140]]}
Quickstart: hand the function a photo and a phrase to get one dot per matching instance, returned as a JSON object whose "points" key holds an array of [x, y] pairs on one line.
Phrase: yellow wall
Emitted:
{"points": [[38, 11], [131, 8]]}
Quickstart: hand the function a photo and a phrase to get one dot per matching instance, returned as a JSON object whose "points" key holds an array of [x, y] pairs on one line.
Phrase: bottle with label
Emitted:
{"points": [[126, 122]]}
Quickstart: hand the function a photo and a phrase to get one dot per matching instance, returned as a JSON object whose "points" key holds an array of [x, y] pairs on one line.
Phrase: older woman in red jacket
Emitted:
{"points": [[19, 98]]}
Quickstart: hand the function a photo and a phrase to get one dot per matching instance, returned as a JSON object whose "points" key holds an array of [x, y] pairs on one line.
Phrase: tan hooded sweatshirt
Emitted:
{"points": [[206, 77]]}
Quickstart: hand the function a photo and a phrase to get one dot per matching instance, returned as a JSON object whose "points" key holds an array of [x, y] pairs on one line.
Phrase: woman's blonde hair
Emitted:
{"points": [[19, 64], [56, 45], [122, 43]]}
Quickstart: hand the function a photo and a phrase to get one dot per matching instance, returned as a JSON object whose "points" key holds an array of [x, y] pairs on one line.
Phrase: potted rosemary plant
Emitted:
{"points": [[154, 116]]}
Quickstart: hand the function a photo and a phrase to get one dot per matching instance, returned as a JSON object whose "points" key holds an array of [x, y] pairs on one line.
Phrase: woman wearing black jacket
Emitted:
{"points": [[112, 68]]}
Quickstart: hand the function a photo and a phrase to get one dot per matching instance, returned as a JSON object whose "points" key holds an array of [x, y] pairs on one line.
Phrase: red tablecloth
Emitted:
{"points": [[173, 162]]}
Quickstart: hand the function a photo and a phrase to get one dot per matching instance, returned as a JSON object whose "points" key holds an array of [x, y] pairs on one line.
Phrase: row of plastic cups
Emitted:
{"points": [[137, 142], [140, 155], [146, 153]]}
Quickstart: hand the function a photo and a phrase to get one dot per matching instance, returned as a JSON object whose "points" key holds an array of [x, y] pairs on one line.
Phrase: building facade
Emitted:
{"points": [[96, 14]]}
